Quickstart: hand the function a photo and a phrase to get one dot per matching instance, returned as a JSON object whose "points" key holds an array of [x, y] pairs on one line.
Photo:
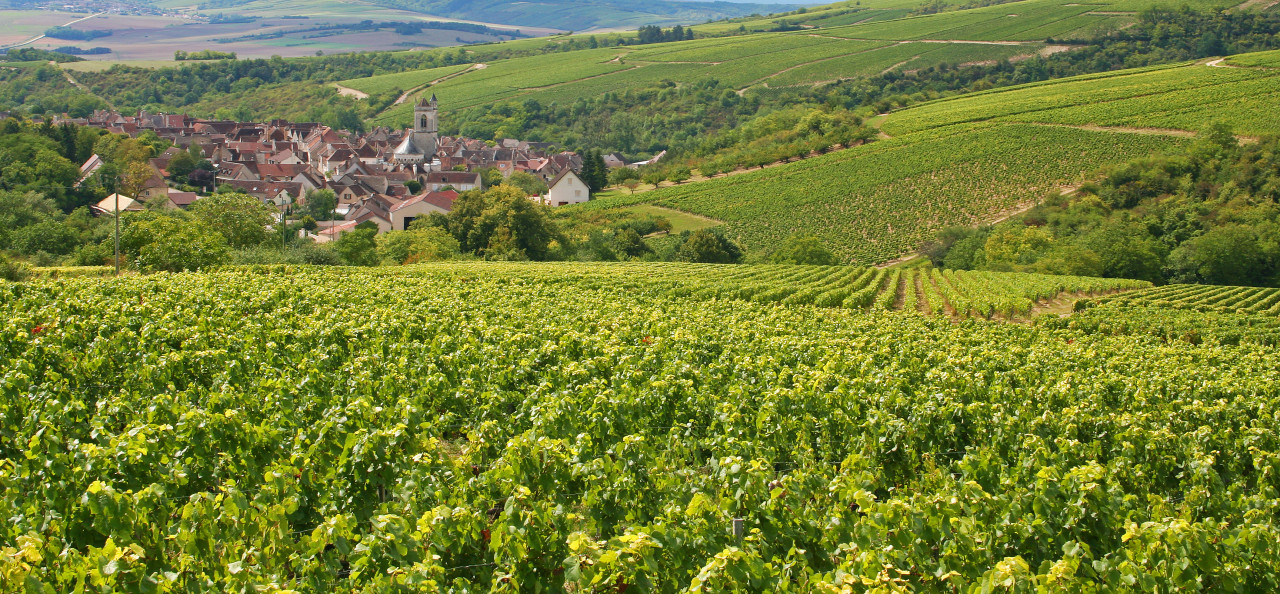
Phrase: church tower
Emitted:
{"points": [[420, 143], [424, 117]]}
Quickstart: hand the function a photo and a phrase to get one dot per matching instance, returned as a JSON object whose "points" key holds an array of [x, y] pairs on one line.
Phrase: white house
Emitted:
{"points": [[566, 188]]}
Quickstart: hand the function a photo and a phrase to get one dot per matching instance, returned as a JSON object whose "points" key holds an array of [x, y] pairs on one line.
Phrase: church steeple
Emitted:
{"points": [[419, 144], [424, 116]]}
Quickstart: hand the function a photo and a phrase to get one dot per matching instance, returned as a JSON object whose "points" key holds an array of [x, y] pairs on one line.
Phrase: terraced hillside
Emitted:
{"points": [[975, 158]]}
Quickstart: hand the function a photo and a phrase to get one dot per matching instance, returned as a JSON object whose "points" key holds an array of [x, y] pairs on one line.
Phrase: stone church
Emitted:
{"points": [[418, 148]]}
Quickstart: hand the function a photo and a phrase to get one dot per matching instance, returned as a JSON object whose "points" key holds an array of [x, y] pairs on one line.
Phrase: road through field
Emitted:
{"points": [[41, 36]]}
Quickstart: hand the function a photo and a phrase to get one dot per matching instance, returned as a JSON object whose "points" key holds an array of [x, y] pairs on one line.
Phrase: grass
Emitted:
{"points": [[101, 65], [680, 221]]}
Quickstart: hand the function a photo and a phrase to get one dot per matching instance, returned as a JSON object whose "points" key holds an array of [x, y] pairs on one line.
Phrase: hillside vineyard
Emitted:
{"points": [[547, 428]]}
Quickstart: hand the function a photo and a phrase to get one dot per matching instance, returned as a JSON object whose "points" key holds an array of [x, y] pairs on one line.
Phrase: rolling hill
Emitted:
{"points": [[974, 158]]}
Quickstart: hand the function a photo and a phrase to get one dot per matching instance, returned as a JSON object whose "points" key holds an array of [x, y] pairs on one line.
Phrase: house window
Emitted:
{"points": [[577, 193]]}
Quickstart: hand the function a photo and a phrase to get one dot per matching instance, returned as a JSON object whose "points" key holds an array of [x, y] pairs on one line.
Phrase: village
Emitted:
{"points": [[387, 177]]}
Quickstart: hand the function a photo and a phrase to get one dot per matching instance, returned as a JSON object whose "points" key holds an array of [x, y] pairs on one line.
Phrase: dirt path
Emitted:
{"points": [[350, 92], [922, 302], [405, 96], [75, 83], [900, 291], [898, 65], [1259, 5]]}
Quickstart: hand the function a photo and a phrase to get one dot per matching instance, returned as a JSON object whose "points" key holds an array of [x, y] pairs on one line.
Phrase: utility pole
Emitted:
{"points": [[117, 233]]}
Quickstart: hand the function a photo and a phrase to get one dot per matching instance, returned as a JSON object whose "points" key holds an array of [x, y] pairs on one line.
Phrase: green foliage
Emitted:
{"points": [[801, 249], [31, 54], [420, 243], [205, 54], [528, 183], [513, 427], [173, 244], [1203, 215], [501, 224], [320, 204], [878, 201], [358, 247], [240, 218], [707, 246], [13, 270]]}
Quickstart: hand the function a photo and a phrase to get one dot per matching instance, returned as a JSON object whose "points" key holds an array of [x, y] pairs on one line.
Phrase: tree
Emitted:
{"points": [[413, 185], [48, 236], [136, 175], [653, 177], [240, 218], [707, 246], [21, 209], [420, 243], [490, 176], [168, 243], [358, 247], [513, 227], [629, 243], [594, 173], [1226, 255], [680, 174], [321, 204], [181, 165], [622, 175], [528, 183], [803, 250], [500, 223], [202, 178]]}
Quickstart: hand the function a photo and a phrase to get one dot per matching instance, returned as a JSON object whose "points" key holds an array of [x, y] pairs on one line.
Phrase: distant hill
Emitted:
{"points": [[580, 15]]}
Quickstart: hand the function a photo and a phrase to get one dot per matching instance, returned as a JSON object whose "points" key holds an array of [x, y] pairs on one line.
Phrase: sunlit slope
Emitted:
{"points": [[742, 62], [1182, 97], [834, 42], [876, 202], [971, 159]]}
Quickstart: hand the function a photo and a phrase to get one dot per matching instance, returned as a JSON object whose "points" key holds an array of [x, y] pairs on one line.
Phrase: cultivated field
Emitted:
{"points": [[21, 25], [762, 60], [509, 426], [973, 158], [876, 202], [149, 38], [1182, 97]]}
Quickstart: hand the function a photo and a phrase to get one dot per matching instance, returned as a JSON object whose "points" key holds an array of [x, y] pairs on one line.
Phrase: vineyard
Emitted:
{"points": [[403, 80], [1030, 20], [740, 62], [876, 202], [958, 293], [1182, 97], [1205, 298], [522, 428]]}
